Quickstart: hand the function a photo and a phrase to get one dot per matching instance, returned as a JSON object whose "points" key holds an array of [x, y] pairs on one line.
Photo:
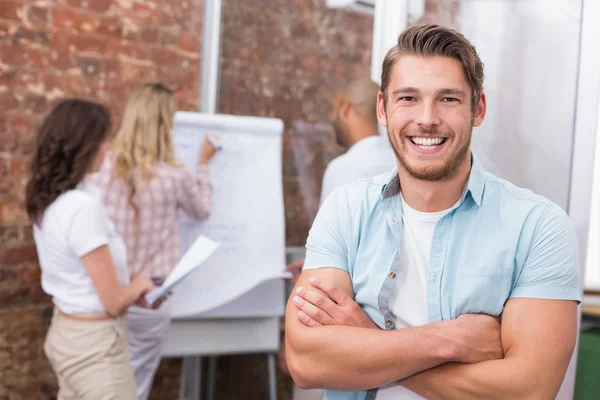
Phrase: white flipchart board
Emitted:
{"points": [[242, 278]]}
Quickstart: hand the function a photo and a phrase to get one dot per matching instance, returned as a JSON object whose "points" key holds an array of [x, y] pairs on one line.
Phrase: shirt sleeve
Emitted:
{"points": [[88, 229], [551, 270], [326, 245], [195, 195]]}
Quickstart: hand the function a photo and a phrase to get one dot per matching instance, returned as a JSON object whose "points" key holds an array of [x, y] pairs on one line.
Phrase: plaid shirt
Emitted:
{"points": [[153, 242]]}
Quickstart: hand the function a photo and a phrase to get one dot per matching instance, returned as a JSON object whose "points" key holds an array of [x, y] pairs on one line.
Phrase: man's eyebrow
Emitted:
{"points": [[455, 92], [406, 90]]}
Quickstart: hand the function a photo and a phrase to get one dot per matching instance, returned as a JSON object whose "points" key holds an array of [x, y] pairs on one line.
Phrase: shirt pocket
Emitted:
{"points": [[484, 290]]}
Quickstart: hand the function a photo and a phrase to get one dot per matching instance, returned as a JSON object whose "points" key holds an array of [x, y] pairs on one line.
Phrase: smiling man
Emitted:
{"points": [[407, 274]]}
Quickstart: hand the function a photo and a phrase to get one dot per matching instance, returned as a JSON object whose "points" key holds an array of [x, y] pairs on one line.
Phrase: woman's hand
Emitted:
{"points": [[143, 285], [207, 150]]}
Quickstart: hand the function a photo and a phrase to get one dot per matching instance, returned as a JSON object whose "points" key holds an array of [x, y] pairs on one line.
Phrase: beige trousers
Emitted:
{"points": [[90, 359]]}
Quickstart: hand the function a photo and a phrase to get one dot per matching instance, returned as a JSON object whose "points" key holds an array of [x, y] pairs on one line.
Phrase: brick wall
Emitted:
{"points": [[49, 50]]}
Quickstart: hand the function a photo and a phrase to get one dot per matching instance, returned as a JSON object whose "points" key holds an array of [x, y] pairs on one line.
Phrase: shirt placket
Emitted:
{"points": [[393, 216]]}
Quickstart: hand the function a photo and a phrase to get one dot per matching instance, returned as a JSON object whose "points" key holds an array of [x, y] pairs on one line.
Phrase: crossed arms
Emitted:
{"points": [[331, 343]]}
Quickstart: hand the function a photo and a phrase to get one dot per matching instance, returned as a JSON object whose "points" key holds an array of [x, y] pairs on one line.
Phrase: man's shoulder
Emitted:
{"points": [[507, 192], [535, 208]]}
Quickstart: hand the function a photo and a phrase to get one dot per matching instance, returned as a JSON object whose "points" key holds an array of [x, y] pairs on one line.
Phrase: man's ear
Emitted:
{"points": [[480, 109], [381, 117], [345, 109]]}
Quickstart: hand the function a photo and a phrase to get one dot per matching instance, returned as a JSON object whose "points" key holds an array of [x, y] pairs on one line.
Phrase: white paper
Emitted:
{"points": [[197, 254], [247, 217]]}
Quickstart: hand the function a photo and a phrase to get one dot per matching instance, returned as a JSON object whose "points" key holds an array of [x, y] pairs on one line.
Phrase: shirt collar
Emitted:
{"points": [[475, 184]]}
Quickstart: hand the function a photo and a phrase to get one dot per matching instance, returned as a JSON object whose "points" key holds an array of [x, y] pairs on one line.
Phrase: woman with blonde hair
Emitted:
{"points": [[82, 258], [143, 188]]}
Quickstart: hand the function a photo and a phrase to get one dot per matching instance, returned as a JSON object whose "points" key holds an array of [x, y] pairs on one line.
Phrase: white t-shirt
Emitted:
{"points": [[409, 301], [72, 226], [368, 157]]}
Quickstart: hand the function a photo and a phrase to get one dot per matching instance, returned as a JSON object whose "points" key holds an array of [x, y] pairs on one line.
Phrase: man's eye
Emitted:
{"points": [[449, 99], [406, 98]]}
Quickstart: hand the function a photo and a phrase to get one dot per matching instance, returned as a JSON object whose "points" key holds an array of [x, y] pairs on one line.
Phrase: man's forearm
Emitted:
{"points": [[349, 358], [503, 379]]}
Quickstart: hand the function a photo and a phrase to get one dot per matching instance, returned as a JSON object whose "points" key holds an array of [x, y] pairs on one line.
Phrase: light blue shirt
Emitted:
{"points": [[497, 242]]}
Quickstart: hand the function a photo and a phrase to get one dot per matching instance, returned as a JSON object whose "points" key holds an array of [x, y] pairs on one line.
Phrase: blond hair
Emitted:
{"points": [[144, 137]]}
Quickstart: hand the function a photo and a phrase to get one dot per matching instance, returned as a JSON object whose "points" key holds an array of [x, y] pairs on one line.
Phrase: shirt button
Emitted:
{"points": [[388, 322], [393, 220], [392, 275]]}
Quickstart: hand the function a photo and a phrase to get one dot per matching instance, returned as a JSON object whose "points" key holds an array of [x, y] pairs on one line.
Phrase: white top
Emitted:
{"points": [[368, 157], [72, 226], [409, 301]]}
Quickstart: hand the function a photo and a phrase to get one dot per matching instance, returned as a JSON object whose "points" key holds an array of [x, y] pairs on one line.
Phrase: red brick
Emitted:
{"points": [[4, 168], [8, 142], [138, 51], [37, 294], [167, 57], [38, 59], [19, 254], [37, 15], [27, 233], [98, 6], [149, 35], [13, 213], [20, 125], [61, 59], [10, 10], [8, 234], [165, 18], [6, 30], [12, 55], [110, 27], [90, 66], [27, 36], [8, 102], [72, 20], [8, 274], [19, 79], [189, 42], [27, 143], [139, 12], [79, 43], [168, 38], [28, 273], [35, 104], [18, 166]]}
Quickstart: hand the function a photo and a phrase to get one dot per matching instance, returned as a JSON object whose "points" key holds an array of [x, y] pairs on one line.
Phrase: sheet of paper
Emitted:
{"points": [[198, 252], [247, 218]]}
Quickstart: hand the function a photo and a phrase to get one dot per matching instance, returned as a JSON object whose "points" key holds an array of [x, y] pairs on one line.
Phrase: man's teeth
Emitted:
{"points": [[421, 141]]}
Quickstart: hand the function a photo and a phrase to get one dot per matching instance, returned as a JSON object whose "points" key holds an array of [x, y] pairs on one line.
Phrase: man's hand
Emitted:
{"points": [[327, 304], [295, 267], [477, 338]]}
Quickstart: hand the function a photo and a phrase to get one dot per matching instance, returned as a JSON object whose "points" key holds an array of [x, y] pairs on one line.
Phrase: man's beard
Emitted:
{"points": [[432, 174]]}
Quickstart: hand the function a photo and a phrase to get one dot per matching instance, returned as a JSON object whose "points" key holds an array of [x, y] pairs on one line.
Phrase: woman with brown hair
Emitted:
{"points": [[144, 188], [82, 258]]}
